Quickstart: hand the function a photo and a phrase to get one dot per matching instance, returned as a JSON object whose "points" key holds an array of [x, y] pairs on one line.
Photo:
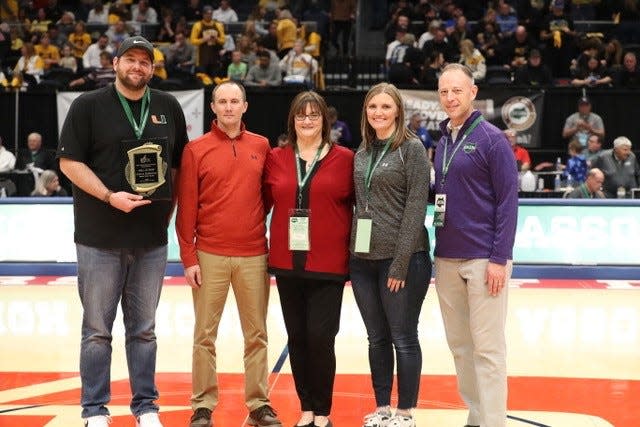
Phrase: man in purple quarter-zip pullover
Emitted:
{"points": [[476, 207]]}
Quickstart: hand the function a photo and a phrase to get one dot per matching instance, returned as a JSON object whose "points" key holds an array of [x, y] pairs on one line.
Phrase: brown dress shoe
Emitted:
{"points": [[264, 416], [201, 418]]}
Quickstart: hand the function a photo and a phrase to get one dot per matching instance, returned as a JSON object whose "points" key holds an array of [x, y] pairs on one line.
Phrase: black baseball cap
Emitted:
{"points": [[135, 42]]}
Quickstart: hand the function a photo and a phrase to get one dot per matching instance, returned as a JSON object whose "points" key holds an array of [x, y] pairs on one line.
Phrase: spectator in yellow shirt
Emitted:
{"points": [[79, 40], [313, 42], [41, 23], [207, 35], [159, 70], [286, 32], [49, 53]]}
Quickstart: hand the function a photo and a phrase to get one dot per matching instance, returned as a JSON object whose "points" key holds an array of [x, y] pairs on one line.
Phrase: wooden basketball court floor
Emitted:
{"points": [[573, 358]]}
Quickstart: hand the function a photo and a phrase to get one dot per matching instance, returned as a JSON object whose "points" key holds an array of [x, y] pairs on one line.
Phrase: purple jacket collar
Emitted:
{"points": [[470, 119]]}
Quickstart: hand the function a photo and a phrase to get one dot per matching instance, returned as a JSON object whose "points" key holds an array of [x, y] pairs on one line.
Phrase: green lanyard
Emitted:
{"points": [[144, 112], [371, 167], [302, 182], [585, 192], [447, 162]]}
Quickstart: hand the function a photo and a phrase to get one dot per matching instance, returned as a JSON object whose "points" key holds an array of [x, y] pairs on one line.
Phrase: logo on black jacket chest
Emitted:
{"points": [[162, 120]]}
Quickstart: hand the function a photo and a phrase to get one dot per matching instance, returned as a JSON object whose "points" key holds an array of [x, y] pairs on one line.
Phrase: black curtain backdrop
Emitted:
{"points": [[268, 110]]}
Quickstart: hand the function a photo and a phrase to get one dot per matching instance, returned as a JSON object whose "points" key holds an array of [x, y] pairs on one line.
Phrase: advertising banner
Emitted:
{"points": [[505, 109], [546, 234]]}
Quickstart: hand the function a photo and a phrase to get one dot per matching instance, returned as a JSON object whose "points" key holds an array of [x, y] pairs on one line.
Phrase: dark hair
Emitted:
{"points": [[299, 106], [433, 56], [282, 140], [28, 46], [263, 54]]}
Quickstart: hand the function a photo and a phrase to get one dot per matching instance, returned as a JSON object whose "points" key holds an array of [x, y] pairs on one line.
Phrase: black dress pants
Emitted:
{"points": [[311, 311]]}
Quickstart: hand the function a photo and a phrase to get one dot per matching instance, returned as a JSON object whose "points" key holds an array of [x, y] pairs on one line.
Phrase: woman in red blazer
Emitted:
{"points": [[309, 184]]}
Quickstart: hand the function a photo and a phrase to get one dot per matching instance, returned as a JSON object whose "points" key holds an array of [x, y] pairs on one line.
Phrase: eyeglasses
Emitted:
{"points": [[313, 117]]}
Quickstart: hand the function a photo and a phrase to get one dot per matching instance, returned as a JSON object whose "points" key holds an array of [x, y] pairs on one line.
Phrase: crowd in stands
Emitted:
{"points": [[62, 42], [34, 160], [536, 42], [530, 43], [589, 171], [65, 44]]}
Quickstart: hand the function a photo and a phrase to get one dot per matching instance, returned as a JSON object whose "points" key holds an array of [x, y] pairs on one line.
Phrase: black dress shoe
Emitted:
{"points": [[467, 425], [306, 425]]}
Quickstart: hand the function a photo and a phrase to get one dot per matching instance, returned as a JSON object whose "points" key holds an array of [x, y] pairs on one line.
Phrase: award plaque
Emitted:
{"points": [[146, 167]]}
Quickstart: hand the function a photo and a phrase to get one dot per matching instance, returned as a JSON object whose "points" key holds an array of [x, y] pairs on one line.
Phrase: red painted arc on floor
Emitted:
{"points": [[586, 396]]}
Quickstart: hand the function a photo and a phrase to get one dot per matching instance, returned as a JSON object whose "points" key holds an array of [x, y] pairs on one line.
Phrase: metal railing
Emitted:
{"points": [[358, 73]]}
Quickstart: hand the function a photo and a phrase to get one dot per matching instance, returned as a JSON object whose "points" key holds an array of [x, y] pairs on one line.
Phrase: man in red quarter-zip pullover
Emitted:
{"points": [[221, 231]]}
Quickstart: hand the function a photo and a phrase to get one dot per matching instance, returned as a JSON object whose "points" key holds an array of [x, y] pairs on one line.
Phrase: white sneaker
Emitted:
{"points": [[377, 419], [150, 419], [402, 421], [97, 421]]}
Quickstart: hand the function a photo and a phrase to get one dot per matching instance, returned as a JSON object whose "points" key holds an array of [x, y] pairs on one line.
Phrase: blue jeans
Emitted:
{"points": [[106, 277], [391, 320]]}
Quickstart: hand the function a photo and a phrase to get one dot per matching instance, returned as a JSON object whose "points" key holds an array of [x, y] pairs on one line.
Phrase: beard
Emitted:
{"points": [[130, 83]]}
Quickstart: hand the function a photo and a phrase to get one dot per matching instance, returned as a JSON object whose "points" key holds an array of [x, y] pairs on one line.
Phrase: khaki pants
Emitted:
{"points": [[474, 323], [250, 282]]}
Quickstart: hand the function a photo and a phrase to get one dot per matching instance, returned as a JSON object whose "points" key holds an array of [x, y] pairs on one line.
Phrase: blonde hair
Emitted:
{"points": [[408, 39], [466, 48], [402, 132]]}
